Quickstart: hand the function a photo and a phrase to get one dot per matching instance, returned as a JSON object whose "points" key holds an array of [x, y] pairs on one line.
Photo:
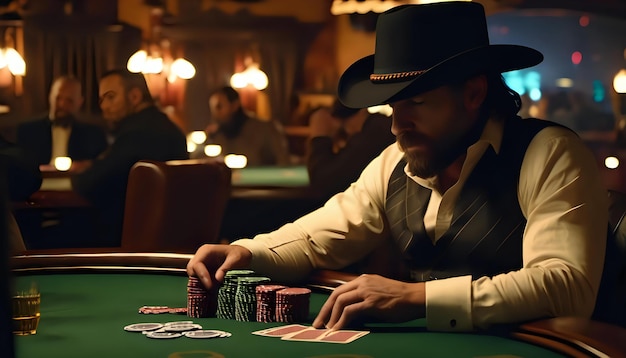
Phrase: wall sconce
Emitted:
{"points": [[251, 76], [9, 55], [153, 63], [619, 81], [156, 56], [12, 64], [340, 7]]}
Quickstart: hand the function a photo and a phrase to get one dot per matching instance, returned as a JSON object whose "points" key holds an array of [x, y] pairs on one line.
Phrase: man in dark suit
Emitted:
{"points": [[141, 131], [60, 134]]}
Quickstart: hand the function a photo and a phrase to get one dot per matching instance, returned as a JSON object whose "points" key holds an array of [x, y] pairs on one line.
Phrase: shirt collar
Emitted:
{"points": [[491, 136]]}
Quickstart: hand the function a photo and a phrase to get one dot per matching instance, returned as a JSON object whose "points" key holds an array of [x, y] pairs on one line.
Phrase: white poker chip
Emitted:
{"points": [[182, 327], [158, 330], [177, 322], [163, 335], [140, 327], [225, 334], [210, 333]]}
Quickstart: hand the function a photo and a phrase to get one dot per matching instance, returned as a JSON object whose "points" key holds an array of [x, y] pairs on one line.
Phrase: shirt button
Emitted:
{"points": [[452, 323]]}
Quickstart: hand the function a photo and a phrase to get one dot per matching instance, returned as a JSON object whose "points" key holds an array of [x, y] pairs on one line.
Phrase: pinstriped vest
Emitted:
{"points": [[485, 234]]}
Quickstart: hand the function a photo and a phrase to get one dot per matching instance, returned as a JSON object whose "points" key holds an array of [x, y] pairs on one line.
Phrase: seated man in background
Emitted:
{"points": [[342, 142], [141, 132], [262, 142], [488, 218], [60, 133]]}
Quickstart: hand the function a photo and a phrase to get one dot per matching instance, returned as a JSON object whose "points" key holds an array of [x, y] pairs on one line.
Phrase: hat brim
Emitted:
{"points": [[357, 91]]}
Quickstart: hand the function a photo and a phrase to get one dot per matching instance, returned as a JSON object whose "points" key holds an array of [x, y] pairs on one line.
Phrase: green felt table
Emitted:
{"points": [[83, 315], [289, 176]]}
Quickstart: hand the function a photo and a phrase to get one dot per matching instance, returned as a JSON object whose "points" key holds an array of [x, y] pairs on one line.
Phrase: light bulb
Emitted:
{"points": [[62, 163], [137, 61], [183, 69]]}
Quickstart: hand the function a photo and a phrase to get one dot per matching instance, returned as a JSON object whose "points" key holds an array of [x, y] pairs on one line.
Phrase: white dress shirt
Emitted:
{"points": [[560, 194], [60, 139]]}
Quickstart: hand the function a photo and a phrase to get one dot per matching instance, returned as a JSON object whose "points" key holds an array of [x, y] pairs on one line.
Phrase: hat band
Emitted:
{"points": [[391, 77]]}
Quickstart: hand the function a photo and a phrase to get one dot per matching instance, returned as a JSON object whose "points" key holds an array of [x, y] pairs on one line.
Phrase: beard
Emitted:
{"points": [[64, 119], [233, 127], [441, 152]]}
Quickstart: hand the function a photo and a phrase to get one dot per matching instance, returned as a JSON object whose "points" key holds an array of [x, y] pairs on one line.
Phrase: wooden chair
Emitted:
{"points": [[175, 206]]}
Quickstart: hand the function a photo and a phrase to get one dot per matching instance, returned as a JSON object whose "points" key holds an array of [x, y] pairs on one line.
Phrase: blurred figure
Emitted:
{"points": [[60, 133], [342, 142], [561, 110], [23, 178], [141, 131], [262, 142]]}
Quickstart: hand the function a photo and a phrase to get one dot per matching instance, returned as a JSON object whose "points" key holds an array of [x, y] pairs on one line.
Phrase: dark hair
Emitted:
{"points": [[131, 80], [231, 94], [232, 128], [501, 99]]}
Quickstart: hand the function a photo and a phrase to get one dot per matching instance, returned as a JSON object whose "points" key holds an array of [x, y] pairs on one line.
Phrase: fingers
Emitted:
{"points": [[211, 262], [196, 267], [343, 306]]}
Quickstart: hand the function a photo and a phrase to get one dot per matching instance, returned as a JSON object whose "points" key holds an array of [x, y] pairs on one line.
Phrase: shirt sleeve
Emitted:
{"points": [[562, 197], [349, 226]]}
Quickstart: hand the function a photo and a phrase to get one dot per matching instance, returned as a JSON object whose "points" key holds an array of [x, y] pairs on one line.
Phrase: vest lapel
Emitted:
{"points": [[406, 205]]}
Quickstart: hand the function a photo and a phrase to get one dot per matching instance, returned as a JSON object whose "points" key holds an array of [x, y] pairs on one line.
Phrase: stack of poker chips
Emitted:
{"points": [[226, 293], [266, 302], [245, 298], [199, 303], [292, 304]]}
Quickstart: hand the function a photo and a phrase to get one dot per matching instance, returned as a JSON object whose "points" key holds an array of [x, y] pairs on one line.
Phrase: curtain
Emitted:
{"points": [[79, 47]]}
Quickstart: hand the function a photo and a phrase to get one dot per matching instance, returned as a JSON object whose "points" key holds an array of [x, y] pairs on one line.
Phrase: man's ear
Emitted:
{"points": [[475, 92], [135, 96]]}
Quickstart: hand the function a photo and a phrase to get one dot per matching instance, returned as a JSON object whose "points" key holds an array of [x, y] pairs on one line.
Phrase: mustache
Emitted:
{"points": [[407, 139]]}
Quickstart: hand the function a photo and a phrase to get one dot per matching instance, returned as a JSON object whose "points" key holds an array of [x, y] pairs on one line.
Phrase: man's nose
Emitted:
{"points": [[400, 122]]}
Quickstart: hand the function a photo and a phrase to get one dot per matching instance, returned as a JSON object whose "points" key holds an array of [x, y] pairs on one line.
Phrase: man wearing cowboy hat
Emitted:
{"points": [[493, 219]]}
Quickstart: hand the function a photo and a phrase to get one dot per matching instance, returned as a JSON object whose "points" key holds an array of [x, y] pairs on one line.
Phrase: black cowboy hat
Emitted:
{"points": [[420, 47]]}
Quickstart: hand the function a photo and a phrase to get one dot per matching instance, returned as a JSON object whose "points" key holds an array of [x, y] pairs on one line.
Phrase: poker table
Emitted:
{"points": [[87, 299], [264, 197]]}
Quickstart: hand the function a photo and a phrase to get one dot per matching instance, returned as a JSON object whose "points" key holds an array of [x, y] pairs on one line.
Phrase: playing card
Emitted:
{"points": [[324, 335], [280, 331], [343, 336], [308, 335]]}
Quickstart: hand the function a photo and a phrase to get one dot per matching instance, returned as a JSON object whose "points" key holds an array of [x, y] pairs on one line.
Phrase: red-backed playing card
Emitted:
{"points": [[280, 331], [309, 335], [324, 335]]}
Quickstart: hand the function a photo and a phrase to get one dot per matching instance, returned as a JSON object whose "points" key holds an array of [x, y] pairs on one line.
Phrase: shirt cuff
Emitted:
{"points": [[449, 304], [260, 253]]}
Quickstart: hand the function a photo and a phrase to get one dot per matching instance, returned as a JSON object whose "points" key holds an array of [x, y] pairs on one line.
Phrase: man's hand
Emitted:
{"points": [[372, 296], [211, 128], [80, 166], [211, 262]]}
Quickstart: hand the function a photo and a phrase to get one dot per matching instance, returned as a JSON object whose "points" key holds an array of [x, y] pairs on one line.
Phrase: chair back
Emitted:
{"points": [[175, 206]]}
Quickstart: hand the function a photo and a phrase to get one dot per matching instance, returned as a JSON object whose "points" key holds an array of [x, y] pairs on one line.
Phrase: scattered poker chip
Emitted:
{"points": [[206, 334], [182, 327], [181, 310], [163, 335], [162, 309], [158, 330], [140, 327], [177, 322]]}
